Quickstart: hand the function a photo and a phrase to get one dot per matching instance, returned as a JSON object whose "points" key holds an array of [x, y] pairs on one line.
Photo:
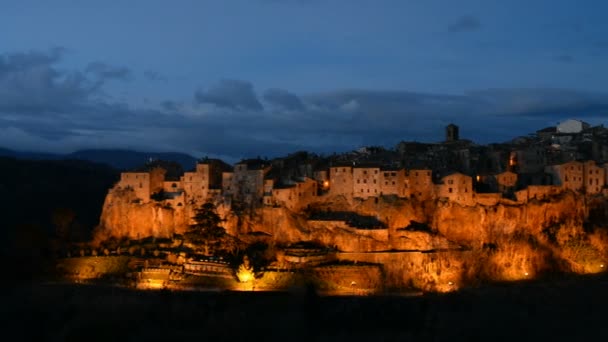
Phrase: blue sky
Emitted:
{"points": [[237, 79]]}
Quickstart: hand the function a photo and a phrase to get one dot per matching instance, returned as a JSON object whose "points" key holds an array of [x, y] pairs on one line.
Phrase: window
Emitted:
{"points": [[386, 183], [393, 182], [365, 181], [450, 181], [386, 174], [364, 172], [450, 190], [393, 174], [375, 171], [374, 181]]}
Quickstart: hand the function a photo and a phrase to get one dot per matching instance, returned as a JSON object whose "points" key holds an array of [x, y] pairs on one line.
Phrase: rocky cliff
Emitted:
{"points": [[514, 240]]}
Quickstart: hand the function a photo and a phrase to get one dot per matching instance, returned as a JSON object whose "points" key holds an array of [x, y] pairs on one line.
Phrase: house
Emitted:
{"points": [[572, 126], [456, 187], [366, 181], [341, 180], [420, 184]]}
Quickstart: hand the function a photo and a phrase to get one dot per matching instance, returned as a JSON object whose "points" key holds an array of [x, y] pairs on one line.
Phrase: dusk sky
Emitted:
{"points": [[234, 79]]}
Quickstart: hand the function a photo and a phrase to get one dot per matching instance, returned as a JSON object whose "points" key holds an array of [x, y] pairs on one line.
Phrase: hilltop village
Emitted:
{"points": [[570, 156], [432, 216]]}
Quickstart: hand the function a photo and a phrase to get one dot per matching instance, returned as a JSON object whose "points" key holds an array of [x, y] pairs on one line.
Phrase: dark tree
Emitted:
{"points": [[207, 222]]}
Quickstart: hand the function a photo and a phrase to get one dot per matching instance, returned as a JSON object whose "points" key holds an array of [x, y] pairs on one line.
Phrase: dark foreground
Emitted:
{"points": [[567, 310]]}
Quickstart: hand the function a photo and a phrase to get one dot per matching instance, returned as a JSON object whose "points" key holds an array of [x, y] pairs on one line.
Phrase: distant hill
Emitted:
{"points": [[118, 159]]}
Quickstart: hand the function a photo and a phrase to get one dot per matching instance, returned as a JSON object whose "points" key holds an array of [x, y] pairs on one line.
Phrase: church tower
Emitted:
{"points": [[451, 133]]}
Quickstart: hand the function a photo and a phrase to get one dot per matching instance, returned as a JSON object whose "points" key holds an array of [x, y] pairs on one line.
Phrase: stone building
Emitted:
{"points": [[341, 180], [143, 183], [294, 196], [456, 187], [572, 126], [528, 159], [594, 177], [568, 175], [393, 182], [451, 133], [206, 176], [246, 183], [366, 181], [420, 184]]}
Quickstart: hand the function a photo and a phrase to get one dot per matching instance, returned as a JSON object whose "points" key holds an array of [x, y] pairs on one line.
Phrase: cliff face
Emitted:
{"points": [[505, 241], [453, 224], [124, 217]]}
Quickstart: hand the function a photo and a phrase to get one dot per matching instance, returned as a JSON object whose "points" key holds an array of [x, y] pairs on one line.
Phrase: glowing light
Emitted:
{"points": [[602, 265], [326, 184], [526, 273], [450, 283]]}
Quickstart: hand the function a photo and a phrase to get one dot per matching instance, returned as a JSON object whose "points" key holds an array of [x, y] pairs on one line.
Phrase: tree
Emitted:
{"points": [[63, 219], [207, 222]]}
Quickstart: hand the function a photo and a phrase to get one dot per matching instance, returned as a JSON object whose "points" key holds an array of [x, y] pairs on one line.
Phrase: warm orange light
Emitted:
{"points": [[326, 184]]}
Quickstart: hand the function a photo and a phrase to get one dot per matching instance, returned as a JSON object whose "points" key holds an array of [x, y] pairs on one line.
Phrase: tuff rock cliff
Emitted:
{"points": [[435, 245], [450, 224]]}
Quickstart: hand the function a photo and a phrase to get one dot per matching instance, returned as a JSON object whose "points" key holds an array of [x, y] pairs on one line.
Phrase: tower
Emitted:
{"points": [[451, 133]]}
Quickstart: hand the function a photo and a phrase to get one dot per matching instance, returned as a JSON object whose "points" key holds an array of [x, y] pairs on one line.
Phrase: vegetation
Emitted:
{"points": [[207, 223]]}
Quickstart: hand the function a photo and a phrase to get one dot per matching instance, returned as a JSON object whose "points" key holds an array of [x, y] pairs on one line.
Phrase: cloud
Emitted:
{"points": [[464, 24], [44, 107], [104, 71], [31, 84], [155, 76], [233, 94], [283, 99]]}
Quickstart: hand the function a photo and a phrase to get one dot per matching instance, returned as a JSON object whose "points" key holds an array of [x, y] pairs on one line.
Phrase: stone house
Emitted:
{"points": [[420, 184], [366, 181], [393, 182], [341, 180], [568, 175], [456, 187], [143, 183], [594, 177]]}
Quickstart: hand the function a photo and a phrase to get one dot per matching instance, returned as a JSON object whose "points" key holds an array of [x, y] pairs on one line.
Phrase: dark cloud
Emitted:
{"points": [[170, 106], [283, 99], [465, 23], [104, 71], [31, 84], [44, 108], [233, 94], [155, 76]]}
